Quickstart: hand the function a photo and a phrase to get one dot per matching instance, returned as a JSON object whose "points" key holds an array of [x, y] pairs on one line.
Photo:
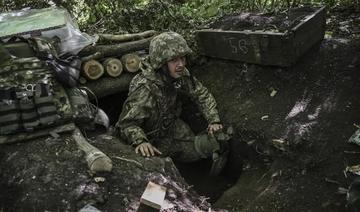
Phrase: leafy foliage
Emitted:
{"points": [[183, 16]]}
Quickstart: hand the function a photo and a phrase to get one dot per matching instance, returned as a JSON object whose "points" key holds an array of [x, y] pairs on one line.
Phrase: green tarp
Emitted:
{"points": [[30, 21]]}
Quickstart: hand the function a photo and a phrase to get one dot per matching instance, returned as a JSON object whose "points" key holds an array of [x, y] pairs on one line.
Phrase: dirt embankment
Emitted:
{"points": [[307, 110], [52, 175], [275, 22], [296, 122]]}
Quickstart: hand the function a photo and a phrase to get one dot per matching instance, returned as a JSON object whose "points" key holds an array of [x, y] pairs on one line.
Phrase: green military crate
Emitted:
{"points": [[265, 47]]}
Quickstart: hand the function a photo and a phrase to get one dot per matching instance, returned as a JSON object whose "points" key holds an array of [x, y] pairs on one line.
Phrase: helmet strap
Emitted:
{"points": [[164, 71]]}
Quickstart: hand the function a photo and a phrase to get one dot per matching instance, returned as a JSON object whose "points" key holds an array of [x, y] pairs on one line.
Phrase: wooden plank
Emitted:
{"points": [[276, 50], [153, 195], [318, 13], [259, 47], [264, 47], [309, 32]]}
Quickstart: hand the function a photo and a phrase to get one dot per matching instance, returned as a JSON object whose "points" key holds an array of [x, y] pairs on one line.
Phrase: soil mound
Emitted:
{"points": [[276, 22], [296, 122]]}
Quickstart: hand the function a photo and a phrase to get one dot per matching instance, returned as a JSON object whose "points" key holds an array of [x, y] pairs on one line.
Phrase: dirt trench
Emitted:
{"points": [[291, 126], [295, 123]]}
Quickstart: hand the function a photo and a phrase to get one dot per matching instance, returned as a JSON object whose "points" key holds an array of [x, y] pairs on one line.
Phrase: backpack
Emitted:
{"points": [[30, 97], [34, 87]]}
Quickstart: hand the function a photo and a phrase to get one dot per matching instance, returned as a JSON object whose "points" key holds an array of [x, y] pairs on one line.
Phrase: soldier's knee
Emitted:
{"points": [[215, 146], [206, 144]]}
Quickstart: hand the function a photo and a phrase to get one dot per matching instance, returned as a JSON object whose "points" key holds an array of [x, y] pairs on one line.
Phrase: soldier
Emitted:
{"points": [[149, 120]]}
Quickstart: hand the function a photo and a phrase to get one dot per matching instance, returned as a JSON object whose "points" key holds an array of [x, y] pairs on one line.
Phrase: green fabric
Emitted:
{"points": [[33, 107], [4, 107], [4, 55], [19, 49], [9, 118], [7, 129], [83, 113], [184, 146], [151, 111], [206, 145], [16, 22], [152, 106]]}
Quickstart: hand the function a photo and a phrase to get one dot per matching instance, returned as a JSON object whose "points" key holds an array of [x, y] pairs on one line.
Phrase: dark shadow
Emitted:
{"points": [[196, 173], [8, 196], [112, 105]]}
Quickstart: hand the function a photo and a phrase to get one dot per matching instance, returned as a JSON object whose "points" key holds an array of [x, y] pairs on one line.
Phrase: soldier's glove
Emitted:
{"points": [[220, 155]]}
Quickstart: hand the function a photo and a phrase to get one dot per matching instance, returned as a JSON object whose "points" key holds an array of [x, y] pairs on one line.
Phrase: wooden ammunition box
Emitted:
{"points": [[265, 47]]}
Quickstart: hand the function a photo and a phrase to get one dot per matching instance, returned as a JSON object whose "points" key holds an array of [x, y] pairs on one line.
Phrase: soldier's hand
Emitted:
{"points": [[214, 127], [147, 149]]}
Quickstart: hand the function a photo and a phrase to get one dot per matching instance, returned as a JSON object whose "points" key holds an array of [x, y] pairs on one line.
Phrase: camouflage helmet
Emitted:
{"points": [[167, 46]]}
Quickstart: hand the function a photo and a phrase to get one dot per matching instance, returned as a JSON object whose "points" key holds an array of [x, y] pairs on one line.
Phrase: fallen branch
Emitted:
{"points": [[115, 50], [129, 160], [331, 181], [351, 152], [96, 55], [126, 37]]}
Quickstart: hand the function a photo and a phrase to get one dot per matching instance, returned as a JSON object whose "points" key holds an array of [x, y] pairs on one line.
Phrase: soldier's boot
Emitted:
{"points": [[215, 146], [96, 159]]}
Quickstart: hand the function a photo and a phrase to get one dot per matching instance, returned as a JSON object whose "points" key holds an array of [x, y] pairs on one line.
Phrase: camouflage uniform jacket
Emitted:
{"points": [[151, 109]]}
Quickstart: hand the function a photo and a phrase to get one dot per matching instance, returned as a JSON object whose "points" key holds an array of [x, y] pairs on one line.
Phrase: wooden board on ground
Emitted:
{"points": [[264, 47], [153, 195]]}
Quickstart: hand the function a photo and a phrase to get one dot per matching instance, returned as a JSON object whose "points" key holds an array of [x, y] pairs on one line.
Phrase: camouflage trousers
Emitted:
{"points": [[184, 146]]}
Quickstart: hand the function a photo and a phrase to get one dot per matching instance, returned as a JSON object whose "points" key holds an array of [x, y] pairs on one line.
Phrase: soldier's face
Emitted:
{"points": [[176, 67]]}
